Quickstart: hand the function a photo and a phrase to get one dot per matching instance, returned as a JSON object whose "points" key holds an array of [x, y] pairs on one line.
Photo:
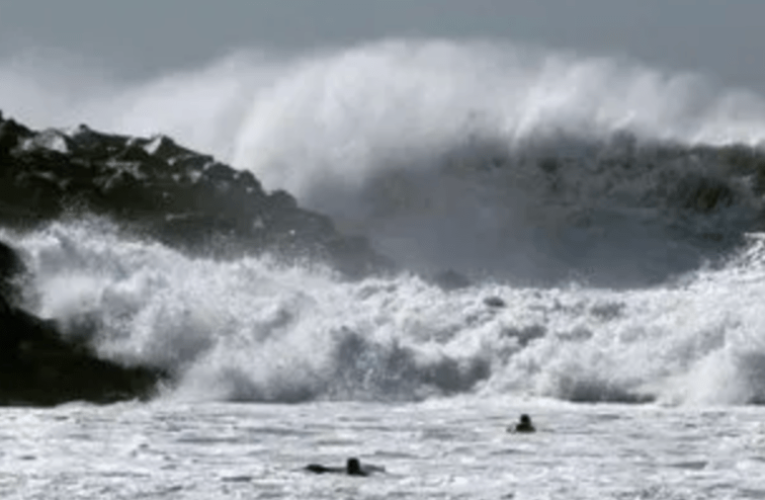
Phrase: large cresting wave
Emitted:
{"points": [[487, 158], [607, 222]]}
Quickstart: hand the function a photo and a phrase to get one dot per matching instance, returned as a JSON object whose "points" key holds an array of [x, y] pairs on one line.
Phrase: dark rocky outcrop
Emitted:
{"points": [[38, 367], [168, 192], [11, 266], [157, 189]]}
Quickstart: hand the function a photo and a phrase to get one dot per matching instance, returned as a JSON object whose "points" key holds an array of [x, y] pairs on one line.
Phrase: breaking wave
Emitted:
{"points": [[251, 330], [433, 149], [598, 205]]}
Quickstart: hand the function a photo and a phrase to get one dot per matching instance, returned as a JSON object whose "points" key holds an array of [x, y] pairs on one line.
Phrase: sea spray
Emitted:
{"points": [[597, 206], [489, 158], [252, 330]]}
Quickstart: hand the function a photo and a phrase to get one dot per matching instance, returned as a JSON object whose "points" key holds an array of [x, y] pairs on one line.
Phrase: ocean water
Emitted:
{"points": [[455, 448], [605, 301]]}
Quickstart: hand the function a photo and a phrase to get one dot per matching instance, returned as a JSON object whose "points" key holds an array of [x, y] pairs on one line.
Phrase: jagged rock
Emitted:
{"points": [[160, 189], [180, 197], [11, 133], [51, 140]]}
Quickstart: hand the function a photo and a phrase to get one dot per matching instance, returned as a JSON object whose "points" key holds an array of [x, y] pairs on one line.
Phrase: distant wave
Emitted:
{"points": [[394, 140]]}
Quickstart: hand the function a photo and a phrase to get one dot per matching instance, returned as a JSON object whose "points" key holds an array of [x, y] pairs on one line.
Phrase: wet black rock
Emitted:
{"points": [[165, 191], [38, 367], [11, 267], [159, 190]]}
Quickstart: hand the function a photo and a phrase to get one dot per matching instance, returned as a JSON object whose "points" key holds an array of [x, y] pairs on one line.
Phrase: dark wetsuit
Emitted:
{"points": [[352, 468], [524, 425], [524, 428]]}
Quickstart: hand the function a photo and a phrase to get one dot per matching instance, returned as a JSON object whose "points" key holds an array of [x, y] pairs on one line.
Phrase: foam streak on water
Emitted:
{"points": [[433, 450]]}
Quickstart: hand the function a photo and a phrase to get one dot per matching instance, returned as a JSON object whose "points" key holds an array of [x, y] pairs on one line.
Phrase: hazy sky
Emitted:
{"points": [[721, 38]]}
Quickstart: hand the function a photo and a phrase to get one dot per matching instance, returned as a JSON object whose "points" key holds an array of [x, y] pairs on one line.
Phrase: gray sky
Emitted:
{"points": [[721, 38]]}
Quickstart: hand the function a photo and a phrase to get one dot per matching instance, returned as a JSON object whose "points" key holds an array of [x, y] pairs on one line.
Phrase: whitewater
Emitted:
{"points": [[605, 299]]}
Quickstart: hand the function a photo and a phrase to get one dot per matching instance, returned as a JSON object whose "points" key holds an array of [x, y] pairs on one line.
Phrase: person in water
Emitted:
{"points": [[523, 425], [352, 467]]}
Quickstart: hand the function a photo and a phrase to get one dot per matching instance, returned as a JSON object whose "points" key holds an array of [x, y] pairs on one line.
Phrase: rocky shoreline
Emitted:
{"points": [[155, 189], [39, 368], [162, 190], [159, 190]]}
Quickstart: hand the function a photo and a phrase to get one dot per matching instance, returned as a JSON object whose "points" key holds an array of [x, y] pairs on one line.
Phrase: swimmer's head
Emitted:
{"points": [[353, 466]]}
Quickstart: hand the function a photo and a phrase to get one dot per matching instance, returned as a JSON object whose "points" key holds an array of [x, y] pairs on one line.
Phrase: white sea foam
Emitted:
{"points": [[433, 149], [251, 330], [432, 450], [398, 139]]}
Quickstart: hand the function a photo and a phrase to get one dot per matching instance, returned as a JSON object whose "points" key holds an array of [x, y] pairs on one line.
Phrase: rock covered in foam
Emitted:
{"points": [[38, 367], [162, 191], [178, 196]]}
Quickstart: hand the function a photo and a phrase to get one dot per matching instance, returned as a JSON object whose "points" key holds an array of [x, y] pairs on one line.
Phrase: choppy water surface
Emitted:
{"points": [[438, 449]]}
